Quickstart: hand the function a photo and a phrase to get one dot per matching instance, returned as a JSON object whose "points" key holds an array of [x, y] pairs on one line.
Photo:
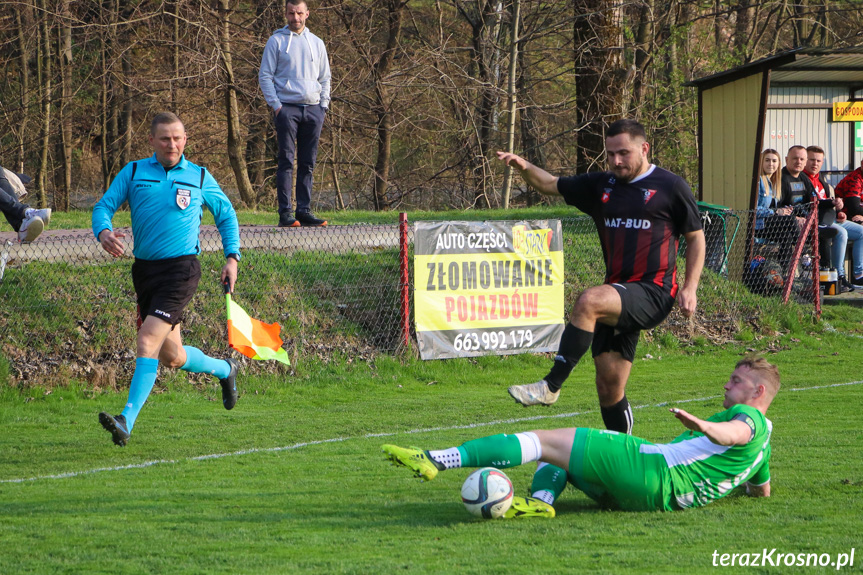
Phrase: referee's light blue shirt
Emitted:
{"points": [[167, 208]]}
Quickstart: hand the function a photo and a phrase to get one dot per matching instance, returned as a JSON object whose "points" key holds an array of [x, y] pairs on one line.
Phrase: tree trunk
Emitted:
{"points": [[126, 120], [22, 17], [531, 146], [383, 104], [800, 9], [64, 59], [236, 145], [513, 99], [600, 73], [643, 52], [743, 29], [45, 89], [174, 10]]}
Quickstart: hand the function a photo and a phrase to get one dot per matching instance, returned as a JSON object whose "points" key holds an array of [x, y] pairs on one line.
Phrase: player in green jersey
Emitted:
{"points": [[706, 462]]}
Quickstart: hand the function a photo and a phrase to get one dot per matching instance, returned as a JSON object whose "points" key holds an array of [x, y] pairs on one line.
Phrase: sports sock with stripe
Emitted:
{"points": [[501, 450], [146, 369], [574, 343], [618, 417], [548, 483], [198, 362]]}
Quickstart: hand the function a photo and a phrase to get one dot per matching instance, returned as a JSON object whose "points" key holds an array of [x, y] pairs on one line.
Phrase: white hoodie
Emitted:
{"points": [[295, 70]]}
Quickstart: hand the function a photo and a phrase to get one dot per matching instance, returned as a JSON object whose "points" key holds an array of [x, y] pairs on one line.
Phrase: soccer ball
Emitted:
{"points": [[487, 493]]}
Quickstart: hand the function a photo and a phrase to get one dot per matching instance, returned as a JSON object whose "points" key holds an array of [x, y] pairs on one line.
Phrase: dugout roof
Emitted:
{"points": [[732, 112]]}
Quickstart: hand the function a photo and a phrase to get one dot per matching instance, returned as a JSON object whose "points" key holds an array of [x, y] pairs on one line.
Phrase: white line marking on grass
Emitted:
{"points": [[372, 435]]}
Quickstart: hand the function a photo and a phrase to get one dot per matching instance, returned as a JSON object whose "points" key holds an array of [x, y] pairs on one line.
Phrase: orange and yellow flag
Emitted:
{"points": [[254, 338]]}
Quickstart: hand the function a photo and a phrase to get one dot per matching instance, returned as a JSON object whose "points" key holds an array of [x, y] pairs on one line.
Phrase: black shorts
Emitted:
{"points": [[644, 306], [165, 287]]}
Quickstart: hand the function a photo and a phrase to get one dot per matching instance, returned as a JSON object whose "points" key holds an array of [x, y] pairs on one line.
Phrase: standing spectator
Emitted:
{"points": [[166, 194], [850, 189], [295, 80], [852, 231], [774, 223], [640, 212], [28, 222]]}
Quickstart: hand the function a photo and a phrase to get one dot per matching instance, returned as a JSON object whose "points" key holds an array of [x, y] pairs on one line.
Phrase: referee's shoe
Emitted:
{"points": [[117, 426], [229, 385]]}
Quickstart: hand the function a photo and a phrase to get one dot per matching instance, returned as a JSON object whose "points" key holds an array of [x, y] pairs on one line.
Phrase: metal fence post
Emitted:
{"points": [[403, 268]]}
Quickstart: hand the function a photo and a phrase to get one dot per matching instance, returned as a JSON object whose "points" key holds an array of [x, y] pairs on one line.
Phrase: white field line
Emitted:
{"points": [[372, 435]]}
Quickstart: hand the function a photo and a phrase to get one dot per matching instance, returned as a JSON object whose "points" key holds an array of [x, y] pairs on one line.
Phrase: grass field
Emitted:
{"points": [[292, 479]]}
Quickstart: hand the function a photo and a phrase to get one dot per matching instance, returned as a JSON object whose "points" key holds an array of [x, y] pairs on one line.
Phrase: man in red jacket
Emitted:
{"points": [[850, 189]]}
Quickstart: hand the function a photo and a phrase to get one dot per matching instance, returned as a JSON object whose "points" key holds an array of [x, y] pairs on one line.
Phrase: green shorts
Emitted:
{"points": [[610, 468]]}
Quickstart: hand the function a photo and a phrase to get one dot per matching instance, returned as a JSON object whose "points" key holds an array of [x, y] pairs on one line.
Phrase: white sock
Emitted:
{"points": [[531, 449], [449, 458], [544, 495]]}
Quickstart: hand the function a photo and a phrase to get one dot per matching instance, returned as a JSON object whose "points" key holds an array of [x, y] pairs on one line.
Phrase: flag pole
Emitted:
{"points": [[227, 287]]}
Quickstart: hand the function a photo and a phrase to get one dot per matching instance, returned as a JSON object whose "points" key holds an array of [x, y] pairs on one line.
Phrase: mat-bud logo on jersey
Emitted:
{"points": [[184, 198], [634, 223]]}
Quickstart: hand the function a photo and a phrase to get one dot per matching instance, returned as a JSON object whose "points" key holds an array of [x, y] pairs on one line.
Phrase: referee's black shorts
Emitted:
{"points": [[165, 287], [644, 306]]}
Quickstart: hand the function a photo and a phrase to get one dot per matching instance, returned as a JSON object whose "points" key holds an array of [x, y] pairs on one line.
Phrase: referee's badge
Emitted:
{"points": [[184, 198]]}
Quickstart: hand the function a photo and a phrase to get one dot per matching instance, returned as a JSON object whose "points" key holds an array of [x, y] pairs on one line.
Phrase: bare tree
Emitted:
{"points": [[64, 63], [44, 79], [600, 74], [236, 144], [513, 98]]}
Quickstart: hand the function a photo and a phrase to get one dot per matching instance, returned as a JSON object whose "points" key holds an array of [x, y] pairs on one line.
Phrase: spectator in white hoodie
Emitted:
{"points": [[295, 81]]}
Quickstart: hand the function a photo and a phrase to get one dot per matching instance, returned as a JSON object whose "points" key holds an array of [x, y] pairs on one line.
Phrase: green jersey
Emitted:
{"points": [[702, 471]]}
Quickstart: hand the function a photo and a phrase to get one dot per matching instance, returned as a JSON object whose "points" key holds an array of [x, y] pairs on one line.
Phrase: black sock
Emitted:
{"points": [[574, 343], [618, 417]]}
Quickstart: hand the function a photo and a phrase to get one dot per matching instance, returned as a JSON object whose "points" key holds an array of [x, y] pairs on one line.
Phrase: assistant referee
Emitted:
{"points": [[166, 195]]}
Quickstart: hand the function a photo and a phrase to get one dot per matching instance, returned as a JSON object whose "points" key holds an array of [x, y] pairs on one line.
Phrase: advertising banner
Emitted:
{"points": [[488, 288]]}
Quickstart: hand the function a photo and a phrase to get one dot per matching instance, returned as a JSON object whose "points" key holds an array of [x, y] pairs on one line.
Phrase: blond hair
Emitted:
{"points": [[767, 373], [773, 182]]}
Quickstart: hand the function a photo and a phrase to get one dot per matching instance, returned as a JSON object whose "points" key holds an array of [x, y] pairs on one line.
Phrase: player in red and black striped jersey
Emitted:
{"points": [[640, 211]]}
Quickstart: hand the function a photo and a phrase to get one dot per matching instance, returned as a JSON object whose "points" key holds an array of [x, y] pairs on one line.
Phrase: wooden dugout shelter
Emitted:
{"points": [[736, 106], [776, 102]]}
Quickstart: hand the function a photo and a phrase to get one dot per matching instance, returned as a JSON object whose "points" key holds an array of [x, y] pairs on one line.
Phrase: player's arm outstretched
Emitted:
{"points": [[719, 432], [535, 177]]}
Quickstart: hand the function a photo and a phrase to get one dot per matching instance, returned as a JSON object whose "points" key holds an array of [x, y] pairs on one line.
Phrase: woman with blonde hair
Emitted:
{"points": [[772, 222]]}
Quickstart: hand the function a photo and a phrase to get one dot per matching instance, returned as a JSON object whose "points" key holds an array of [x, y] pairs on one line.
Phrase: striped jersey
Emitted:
{"points": [[639, 222], [702, 471]]}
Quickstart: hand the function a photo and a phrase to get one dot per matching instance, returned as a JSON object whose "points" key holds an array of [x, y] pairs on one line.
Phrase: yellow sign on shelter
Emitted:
{"points": [[847, 111]]}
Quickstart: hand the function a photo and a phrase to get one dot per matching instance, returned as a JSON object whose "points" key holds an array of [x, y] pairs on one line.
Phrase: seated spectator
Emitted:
{"points": [[27, 221], [850, 189], [846, 230], [774, 223], [797, 194]]}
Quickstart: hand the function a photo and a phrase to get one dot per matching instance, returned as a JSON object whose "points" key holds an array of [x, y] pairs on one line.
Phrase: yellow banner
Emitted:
{"points": [[847, 111], [463, 291]]}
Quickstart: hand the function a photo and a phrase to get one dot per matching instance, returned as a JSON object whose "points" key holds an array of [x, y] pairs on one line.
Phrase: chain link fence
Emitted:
{"points": [[69, 309]]}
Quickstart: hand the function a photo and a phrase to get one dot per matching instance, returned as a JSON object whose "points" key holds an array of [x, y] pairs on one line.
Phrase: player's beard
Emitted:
{"points": [[630, 172]]}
